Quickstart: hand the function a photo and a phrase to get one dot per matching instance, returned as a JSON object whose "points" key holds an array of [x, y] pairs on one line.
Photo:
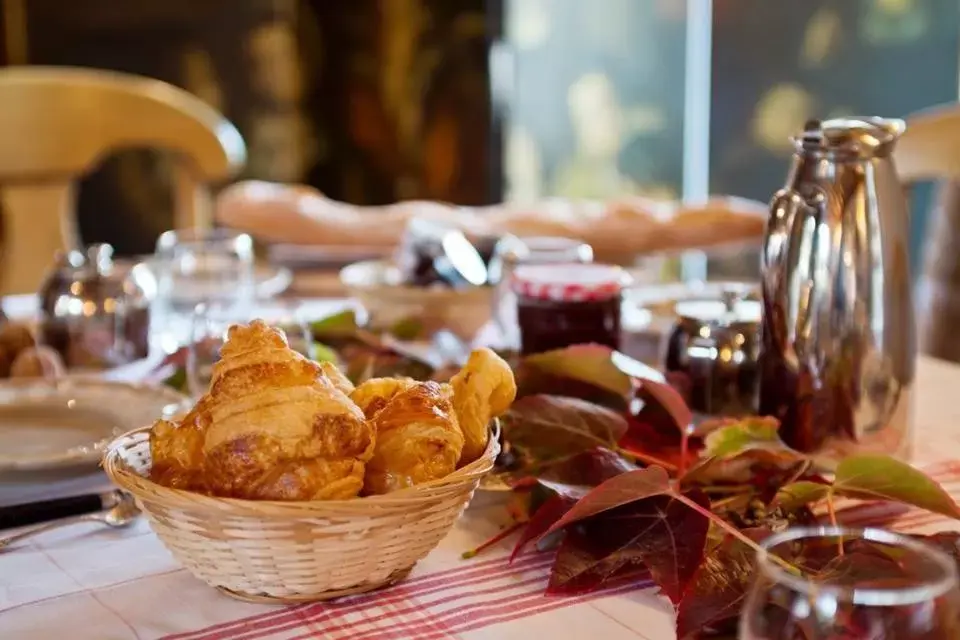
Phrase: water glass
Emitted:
{"points": [[513, 252], [211, 322], [882, 586], [212, 266]]}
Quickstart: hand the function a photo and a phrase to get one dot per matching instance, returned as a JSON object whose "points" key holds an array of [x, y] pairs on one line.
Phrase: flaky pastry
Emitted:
{"points": [[418, 438], [273, 426], [482, 390]]}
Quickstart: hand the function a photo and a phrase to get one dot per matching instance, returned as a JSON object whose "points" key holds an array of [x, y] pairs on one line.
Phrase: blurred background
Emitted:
{"points": [[476, 101]]}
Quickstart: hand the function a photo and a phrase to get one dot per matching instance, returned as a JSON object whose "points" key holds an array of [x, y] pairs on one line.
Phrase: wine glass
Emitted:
{"points": [[211, 322], [882, 586], [194, 266]]}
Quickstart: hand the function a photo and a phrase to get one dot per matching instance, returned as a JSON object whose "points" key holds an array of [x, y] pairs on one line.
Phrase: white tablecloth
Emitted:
{"points": [[87, 582]]}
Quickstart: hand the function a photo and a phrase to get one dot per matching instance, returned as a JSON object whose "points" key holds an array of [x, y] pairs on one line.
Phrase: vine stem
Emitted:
{"points": [[832, 514], [684, 449], [472, 553], [729, 528], [648, 459]]}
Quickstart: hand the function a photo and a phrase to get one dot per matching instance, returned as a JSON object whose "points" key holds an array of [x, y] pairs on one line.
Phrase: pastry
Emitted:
{"points": [[482, 390], [336, 377], [418, 438], [273, 426], [277, 426]]}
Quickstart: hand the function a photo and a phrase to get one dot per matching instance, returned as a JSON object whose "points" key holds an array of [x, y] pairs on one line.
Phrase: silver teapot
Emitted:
{"points": [[838, 355], [94, 312]]}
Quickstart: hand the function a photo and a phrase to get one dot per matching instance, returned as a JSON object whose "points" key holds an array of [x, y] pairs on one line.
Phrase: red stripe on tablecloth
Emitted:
{"points": [[413, 607], [402, 598], [468, 574], [506, 614], [272, 622], [511, 609]]}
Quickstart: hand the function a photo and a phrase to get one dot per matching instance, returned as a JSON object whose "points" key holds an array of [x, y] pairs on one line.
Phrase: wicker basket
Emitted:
{"points": [[287, 552]]}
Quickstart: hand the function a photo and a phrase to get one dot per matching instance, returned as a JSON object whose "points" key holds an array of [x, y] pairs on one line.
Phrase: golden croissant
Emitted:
{"points": [[482, 390], [418, 438], [273, 426]]}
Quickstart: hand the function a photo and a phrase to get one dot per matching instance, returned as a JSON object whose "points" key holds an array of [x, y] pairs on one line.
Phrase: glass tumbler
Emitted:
{"points": [[882, 586], [211, 266], [211, 322]]}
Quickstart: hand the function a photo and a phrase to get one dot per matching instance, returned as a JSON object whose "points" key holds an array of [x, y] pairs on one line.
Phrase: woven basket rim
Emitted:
{"points": [[127, 479]]}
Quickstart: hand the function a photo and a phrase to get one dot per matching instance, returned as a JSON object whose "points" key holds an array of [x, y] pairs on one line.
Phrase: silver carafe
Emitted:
{"points": [[838, 354]]}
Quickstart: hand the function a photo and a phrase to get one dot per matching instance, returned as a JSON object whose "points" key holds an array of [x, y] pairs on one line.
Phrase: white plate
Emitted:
{"points": [[45, 426]]}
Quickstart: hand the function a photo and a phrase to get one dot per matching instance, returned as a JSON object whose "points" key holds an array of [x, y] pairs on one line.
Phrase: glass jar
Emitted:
{"points": [[566, 304], [712, 356], [511, 252]]}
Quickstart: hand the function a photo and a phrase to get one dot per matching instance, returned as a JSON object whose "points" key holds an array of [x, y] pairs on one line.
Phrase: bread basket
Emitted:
{"points": [[289, 552], [376, 285]]}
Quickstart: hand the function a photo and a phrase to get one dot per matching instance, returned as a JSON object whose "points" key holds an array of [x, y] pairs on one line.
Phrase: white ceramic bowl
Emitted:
{"points": [[377, 285]]}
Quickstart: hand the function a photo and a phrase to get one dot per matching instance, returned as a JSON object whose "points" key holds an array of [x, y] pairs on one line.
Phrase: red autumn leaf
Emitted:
{"points": [[581, 568], [615, 492], [589, 468], [544, 518], [658, 533], [715, 593], [670, 400], [532, 381], [567, 483], [645, 441], [660, 425], [546, 428]]}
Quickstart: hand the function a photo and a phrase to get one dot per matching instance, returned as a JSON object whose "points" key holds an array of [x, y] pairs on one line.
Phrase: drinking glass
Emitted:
{"points": [[213, 266], [884, 586], [211, 322], [514, 251]]}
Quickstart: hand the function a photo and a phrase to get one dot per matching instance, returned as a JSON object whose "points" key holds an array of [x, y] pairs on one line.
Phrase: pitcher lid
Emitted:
{"points": [[863, 137]]}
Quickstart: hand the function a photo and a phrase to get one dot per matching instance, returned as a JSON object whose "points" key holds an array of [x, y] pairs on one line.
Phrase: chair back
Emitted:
{"points": [[59, 123], [930, 150]]}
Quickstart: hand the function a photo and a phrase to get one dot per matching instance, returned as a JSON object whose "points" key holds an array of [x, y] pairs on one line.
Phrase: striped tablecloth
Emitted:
{"points": [[88, 582]]}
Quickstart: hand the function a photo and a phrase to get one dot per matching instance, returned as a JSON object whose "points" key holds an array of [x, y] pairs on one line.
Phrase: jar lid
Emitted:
{"points": [[720, 312], [568, 282]]}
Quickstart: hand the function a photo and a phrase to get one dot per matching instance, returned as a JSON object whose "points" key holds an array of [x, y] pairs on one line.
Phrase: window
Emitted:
{"points": [[681, 97]]}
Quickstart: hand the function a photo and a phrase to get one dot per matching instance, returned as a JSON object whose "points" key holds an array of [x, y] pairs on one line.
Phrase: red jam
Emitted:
{"points": [[559, 305]]}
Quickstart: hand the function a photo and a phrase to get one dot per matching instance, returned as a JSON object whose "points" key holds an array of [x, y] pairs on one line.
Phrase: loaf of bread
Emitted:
{"points": [[297, 214]]}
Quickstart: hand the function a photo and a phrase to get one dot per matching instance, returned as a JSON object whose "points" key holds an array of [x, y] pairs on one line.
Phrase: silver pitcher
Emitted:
{"points": [[838, 354]]}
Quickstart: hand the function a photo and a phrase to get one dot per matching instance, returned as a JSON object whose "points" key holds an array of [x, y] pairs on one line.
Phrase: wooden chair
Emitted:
{"points": [[930, 150], [58, 123]]}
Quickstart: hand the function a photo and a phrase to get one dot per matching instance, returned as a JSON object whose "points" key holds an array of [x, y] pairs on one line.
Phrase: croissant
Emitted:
{"points": [[273, 426], [482, 390], [418, 438], [373, 395], [176, 451]]}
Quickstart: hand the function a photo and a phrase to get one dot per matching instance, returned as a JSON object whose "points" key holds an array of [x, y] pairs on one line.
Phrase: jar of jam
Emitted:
{"points": [[513, 251], [559, 305]]}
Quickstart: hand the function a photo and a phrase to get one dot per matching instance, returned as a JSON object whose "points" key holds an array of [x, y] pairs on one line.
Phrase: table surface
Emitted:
{"points": [[89, 582]]}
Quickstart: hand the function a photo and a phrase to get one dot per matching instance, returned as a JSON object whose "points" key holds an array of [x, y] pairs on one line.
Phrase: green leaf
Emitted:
{"points": [[593, 364], [323, 353], [177, 379], [338, 325], [799, 494], [407, 329], [879, 477], [743, 435]]}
